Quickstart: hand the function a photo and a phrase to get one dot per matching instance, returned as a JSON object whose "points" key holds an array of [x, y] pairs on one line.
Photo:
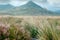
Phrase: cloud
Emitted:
{"points": [[17, 2], [4, 1], [40, 1], [55, 3]]}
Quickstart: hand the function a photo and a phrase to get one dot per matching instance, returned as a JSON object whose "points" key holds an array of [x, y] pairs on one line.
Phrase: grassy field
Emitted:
{"points": [[28, 27]]}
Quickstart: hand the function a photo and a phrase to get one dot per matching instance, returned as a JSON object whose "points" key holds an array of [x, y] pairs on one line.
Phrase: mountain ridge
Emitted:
{"points": [[30, 9], [4, 7]]}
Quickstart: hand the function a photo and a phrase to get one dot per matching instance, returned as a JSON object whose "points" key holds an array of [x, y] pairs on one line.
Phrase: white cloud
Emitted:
{"points": [[55, 3], [18, 3], [13, 2], [40, 1]]}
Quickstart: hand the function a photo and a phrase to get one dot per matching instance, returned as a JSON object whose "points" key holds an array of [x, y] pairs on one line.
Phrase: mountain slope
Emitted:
{"points": [[29, 9], [4, 7]]}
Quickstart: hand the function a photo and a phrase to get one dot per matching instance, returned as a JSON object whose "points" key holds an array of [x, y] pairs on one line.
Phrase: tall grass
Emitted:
{"points": [[48, 32], [33, 30], [16, 29]]}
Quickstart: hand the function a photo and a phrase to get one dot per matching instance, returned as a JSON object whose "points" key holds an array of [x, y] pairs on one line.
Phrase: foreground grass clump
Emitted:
{"points": [[19, 29], [33, 30], [48, 31], [18, 33], [14, 33]]}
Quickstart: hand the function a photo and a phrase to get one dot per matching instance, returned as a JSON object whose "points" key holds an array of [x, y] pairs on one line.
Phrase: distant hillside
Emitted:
{"points": [[28, 9], [4, 7]]}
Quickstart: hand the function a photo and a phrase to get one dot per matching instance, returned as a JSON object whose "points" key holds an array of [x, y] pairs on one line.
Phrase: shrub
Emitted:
{"points": [[32, 29]]}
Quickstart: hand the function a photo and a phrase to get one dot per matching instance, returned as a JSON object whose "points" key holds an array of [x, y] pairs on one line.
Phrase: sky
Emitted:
{"points": [[48, 4]]}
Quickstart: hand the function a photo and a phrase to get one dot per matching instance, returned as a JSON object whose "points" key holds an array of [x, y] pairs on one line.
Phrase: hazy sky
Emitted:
{"points": [[48, 4]]}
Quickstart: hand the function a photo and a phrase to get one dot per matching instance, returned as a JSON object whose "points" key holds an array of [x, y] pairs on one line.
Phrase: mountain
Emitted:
{"points": [[58, 11], [29, 9], [4, 7]]}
